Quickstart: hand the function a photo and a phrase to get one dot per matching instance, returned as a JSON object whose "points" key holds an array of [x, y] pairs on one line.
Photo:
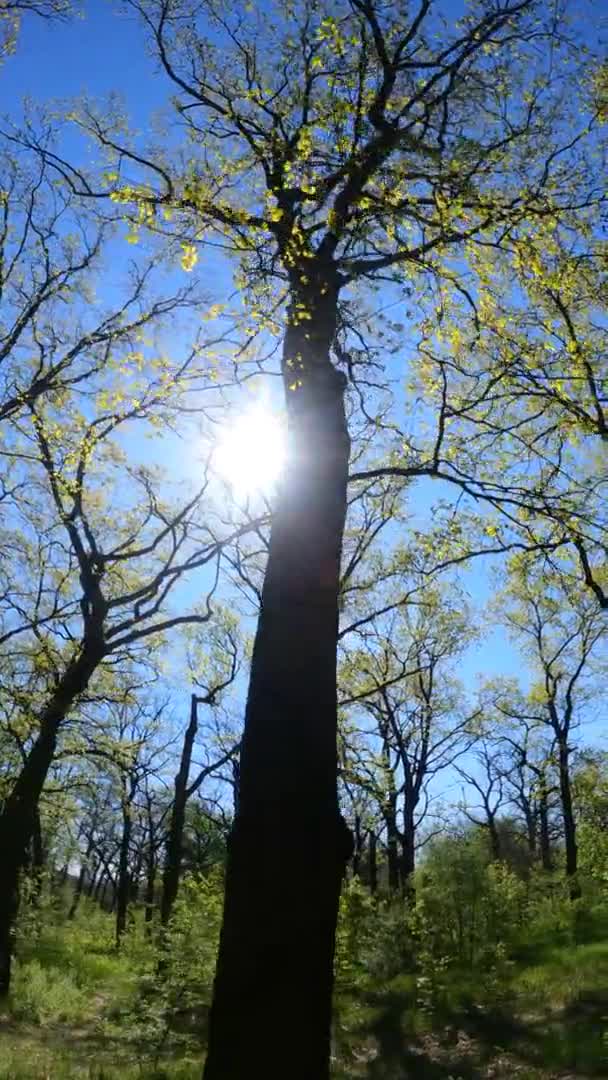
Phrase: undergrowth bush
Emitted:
{"points": [[45, 995]]}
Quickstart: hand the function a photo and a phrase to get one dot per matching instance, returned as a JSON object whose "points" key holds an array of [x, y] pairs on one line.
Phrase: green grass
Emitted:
{"points": [[77, 1013]]}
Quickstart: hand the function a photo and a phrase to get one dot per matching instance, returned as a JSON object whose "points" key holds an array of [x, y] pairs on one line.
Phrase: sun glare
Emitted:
{"points": [[250, 453]]}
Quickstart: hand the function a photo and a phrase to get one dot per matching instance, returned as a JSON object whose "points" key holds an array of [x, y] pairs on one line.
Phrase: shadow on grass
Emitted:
{"points": [[471, 1043]]}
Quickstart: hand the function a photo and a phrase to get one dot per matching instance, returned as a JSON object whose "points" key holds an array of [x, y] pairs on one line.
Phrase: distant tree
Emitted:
{"points": [[217, 674], [562, 633], [398, 688]]}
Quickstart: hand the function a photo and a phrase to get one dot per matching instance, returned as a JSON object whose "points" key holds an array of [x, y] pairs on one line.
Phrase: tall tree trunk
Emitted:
{"points": [[150, 892], [392, 845], [544, 838], [123, 883], [569, 820], [92, 882], [372, 862], [531, 819], [358, 846], [495, 845], [77, 891], [175, 834], [99, 891], [82, 873], [63, 875], [38, 858], [18, 817], [271, 1011], [408, 853]]}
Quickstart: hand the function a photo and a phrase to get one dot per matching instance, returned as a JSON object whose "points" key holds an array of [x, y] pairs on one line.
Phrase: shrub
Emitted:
{"points": [[45, 995]]}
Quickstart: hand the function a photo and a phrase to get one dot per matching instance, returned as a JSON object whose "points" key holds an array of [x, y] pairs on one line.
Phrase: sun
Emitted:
{"points": [[250, 452]]}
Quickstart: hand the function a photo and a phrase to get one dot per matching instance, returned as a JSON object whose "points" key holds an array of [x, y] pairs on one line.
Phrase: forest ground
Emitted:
{"points": [[78, 1011]]}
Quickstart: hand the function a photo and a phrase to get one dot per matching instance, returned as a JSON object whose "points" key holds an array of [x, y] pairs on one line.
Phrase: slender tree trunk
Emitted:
{"points": [[569, 820], [531, 819], [175, 835], [81, 879], [495, 845], [77, 891], [358, 846], [62, 877], [544, 838], [408, 854], [372, 863], [38, 858], [150, 893], [100, 887], [92, 882], [135, 879], [123, 883], [271, 1012], [18, 817], [392, 846]]}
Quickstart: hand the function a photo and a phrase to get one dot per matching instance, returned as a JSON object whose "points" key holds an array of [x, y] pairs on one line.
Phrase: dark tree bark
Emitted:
{"points": [[38, 858], [408, 851], [92, 882], [389, 813], [569, 819], [101, 886], [123, 878], [392, 844], [495, 844], [82, 874], [544, 835], [175, 834], [289, 846], [150, 892], [372, 862], [78, 890], [18, 817], [357, 846]]}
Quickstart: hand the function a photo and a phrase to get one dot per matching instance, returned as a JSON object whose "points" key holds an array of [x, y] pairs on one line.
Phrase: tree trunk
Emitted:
{"points": [[62, 876], [544, 839], [92, 883], [358, 847], [81, 879], [271, 1011], [495, 845], [150, 893], [77, 891], [392, 846], [18, 817], [569, 820], [531, 826], [123, 883], [38, 859], [372, 857], [175, 835], [408, 854], [100, 887]]}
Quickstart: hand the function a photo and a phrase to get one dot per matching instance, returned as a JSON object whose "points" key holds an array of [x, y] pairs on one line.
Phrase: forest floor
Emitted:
{"points": [[76, 1015]]}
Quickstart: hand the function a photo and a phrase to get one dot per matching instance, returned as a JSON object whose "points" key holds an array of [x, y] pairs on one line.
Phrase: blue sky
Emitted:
{"points": [[104, 53]]}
